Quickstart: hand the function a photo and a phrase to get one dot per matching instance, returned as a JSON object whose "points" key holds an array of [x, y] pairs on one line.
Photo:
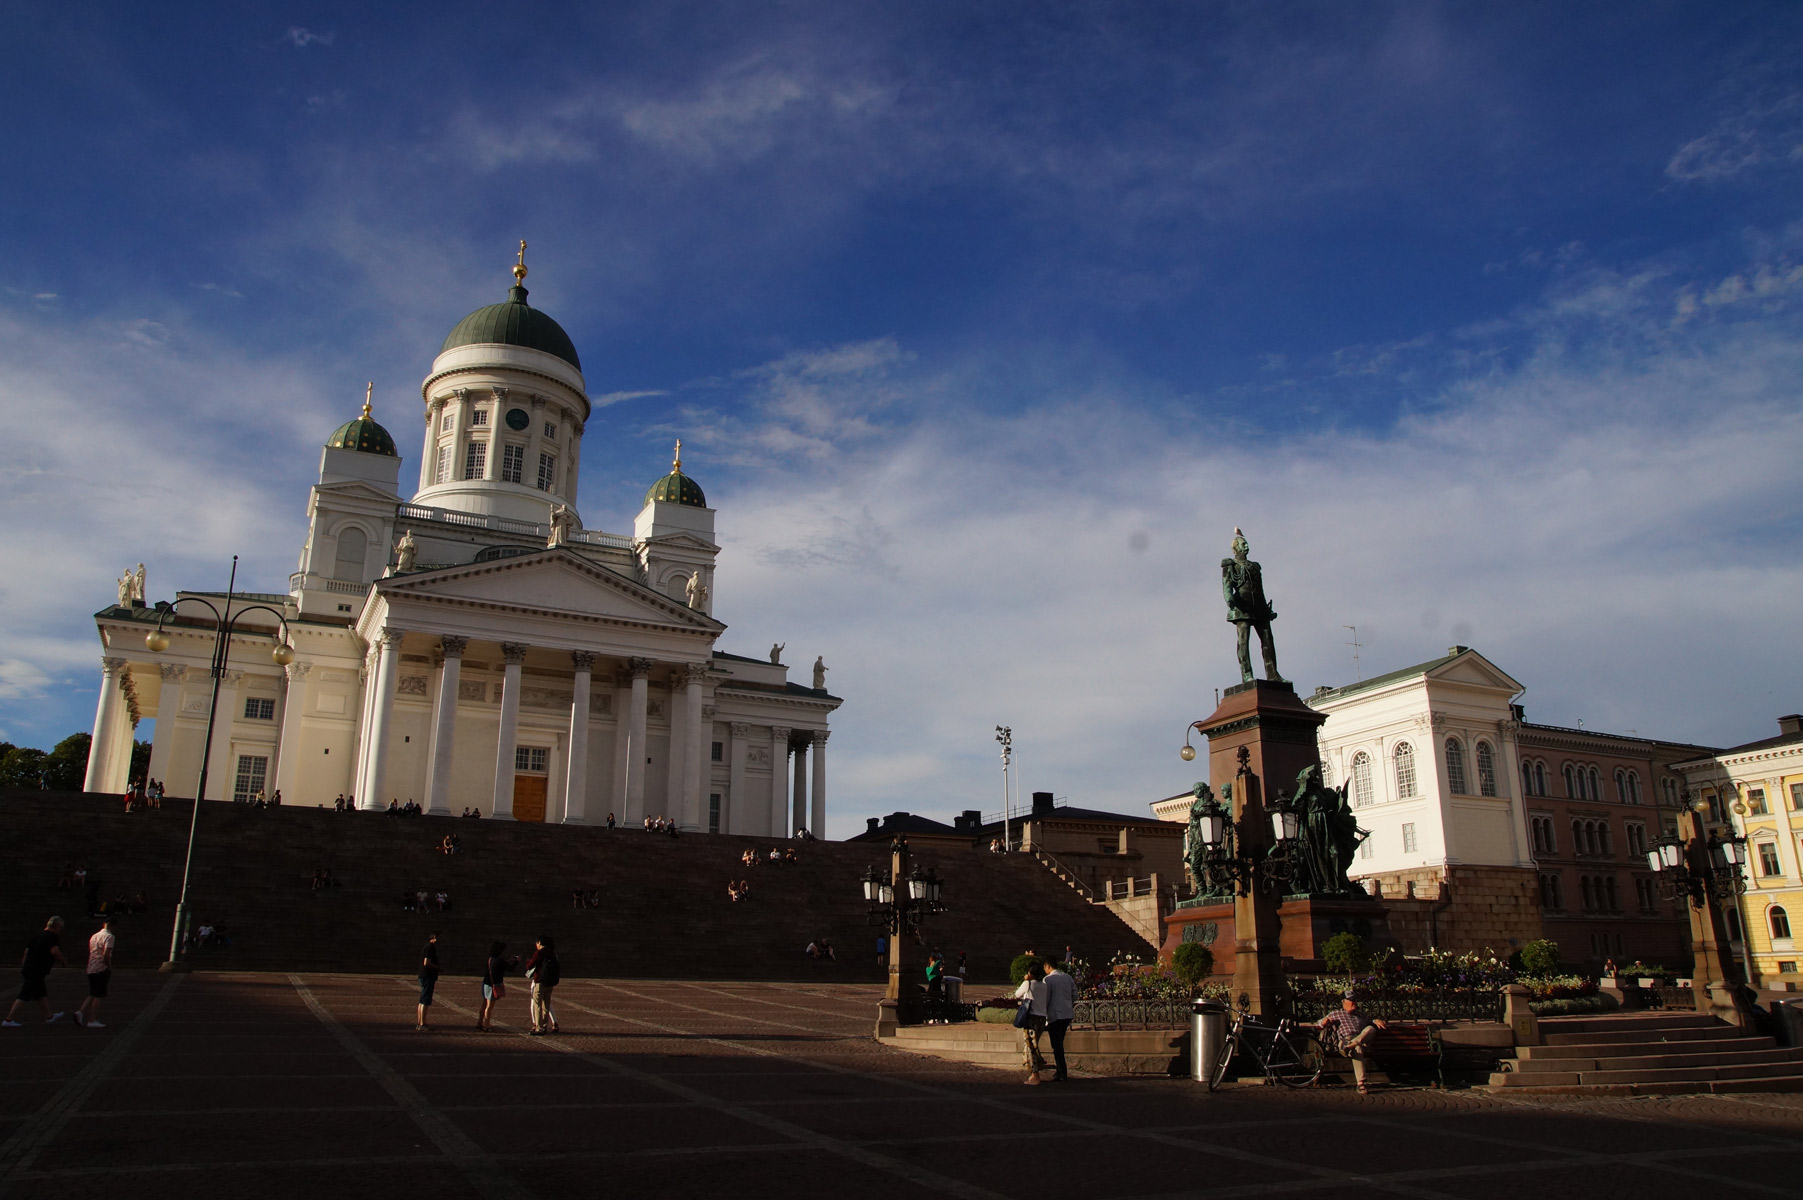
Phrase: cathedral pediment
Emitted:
{"points": [[547, 582], [354, 489], [686, 541], [1475, 670]]}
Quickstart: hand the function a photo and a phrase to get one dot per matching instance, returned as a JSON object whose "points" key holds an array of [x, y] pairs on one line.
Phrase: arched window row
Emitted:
{"points": [[1583, 781], [1458, 780], [1533, 777], [1590, 839], [1627, 786], [1599, 893], [1540, 828]]}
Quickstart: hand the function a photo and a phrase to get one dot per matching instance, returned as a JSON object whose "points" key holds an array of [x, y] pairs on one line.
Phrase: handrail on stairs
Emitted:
{"points": [[1069, 876]]}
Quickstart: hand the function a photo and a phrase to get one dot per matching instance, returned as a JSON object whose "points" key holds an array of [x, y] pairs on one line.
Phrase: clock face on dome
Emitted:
{"points": [[517, 418]]}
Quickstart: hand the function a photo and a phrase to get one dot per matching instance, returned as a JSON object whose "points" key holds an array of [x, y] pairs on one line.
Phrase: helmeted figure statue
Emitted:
{"points": [[1328, 834], [1248, 609], [1195, 851]]}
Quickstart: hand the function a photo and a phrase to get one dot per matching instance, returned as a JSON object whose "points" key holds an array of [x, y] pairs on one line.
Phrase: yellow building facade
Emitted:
{"points": [[1757, 790]]}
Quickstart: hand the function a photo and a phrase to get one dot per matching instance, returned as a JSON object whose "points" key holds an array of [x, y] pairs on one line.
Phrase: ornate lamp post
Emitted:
{"points": [[899, 905], [1227, 858], [1004, 734], [1705, 869], [158, 641]]}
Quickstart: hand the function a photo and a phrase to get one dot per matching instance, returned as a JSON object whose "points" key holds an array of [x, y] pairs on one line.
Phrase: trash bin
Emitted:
{"points": [[1790, 1020], [1207, 1032], [954, 990]]}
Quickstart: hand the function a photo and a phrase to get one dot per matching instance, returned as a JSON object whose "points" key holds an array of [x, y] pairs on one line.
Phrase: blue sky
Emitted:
{"points": [[983, 325]]}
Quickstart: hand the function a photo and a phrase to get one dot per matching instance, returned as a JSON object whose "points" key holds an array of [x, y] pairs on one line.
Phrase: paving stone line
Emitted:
{"points": [[751, 1116], [483, 1172], [22, 1148]]}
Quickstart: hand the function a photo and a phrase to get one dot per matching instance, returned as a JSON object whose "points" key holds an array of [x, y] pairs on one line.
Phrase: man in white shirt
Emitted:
{"points": [[1060, 1008], [100, 971]]}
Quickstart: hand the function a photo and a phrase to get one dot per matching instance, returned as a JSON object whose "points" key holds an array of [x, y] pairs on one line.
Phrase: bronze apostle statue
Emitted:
{"points": [[1244, 586]]}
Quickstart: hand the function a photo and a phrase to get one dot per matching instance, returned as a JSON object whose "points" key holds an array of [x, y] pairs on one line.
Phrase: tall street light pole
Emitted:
{"points": [[1005, 735], [158, 641]]}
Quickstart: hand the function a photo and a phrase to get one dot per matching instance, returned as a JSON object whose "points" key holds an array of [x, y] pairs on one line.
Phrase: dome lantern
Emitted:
{"points": [[363, 433], [676, 488]]}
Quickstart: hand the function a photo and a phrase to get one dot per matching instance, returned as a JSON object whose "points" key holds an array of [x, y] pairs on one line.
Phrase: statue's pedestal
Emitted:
{"points": [[1304, 925]]}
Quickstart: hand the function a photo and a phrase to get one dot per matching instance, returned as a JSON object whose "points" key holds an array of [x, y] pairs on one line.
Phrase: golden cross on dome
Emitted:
{"points": [[677, 465], [519, 268], [368, 391]]}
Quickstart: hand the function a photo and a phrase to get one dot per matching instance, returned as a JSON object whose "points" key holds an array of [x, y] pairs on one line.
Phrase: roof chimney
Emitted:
{"points": [[1791, 725], [1455, 651], [872, 823], [1042, 803]]}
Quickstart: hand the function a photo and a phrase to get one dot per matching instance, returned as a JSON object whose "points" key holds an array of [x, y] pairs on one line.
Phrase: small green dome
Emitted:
{"points": [[362, 433], [677, 488], [513, 322]]}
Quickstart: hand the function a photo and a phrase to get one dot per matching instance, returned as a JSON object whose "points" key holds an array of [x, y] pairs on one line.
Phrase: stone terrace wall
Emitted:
{"points": [[1494, 908]]}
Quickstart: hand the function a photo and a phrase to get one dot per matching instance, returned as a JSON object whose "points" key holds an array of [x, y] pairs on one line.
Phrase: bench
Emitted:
{"points": [[1399, 1047], [1462, 1058]]}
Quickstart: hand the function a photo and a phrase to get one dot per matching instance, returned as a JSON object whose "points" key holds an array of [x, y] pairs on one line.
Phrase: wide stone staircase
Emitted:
{"points": [[1649, 1054], [664, 910]]}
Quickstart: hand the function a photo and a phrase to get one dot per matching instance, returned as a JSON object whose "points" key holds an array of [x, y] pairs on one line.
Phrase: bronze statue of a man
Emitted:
{"points": [[1244, 586]]}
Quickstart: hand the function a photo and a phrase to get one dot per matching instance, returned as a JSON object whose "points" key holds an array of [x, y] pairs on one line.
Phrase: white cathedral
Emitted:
{"points": [[475, 646]]}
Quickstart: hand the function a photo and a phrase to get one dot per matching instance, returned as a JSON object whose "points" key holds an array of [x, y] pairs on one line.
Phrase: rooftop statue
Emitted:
{"points": [[406, 552], [1247, 608], [776, 651], [820, 673]]}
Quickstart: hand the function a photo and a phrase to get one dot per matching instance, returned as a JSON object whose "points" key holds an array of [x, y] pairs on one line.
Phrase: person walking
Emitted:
{"points": [[43, 950], [494, 983], [428, 979], [100, 971], [1031, 994], [1353, 1030], [1060, 1009], [882, 950], [545, 972]]}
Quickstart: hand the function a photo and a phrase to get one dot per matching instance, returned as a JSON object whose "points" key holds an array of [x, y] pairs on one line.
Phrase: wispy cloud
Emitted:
{"points": [[302, 38]]}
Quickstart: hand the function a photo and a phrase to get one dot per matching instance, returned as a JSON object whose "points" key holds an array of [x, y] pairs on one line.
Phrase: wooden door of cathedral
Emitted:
{"points": [[529, 797]]}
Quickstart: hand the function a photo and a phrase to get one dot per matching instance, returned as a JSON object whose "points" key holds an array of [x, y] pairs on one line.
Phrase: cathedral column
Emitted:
{"points": [[738, 807], [676, 803], [778, 812], [444, 725], [799, 814], [366, 701], [220, 763], [694, 799], [616, 788], [288, 742], [169, 707], [635, 740], [817, 826], [107, 715], [381, 716], [428, 459], [575, 796], [491, 467], [502, 806]]}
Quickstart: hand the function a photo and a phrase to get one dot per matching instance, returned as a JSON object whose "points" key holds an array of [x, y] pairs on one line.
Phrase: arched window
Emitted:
{"points": [[1596, 785], [1455, 766], [1405, 771], [353, 549], [1779, 921], [1572, 783], [1614, 904], [1604, 840], [1577, 838], [1539, 779], [1633, 787], [1527, 779], [1621, 786], [1486, 770], [1361, 779], [1588, 891]]}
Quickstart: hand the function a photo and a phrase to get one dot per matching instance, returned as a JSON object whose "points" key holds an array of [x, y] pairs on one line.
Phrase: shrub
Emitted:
{"points": [[1017, 970], [996, 1016], [1572, 1005], [1540, 957], [1346, 954], [1192, 961]]}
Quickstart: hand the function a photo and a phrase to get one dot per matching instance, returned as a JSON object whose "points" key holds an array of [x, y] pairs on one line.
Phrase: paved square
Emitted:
{"points": [[292, 1085]]}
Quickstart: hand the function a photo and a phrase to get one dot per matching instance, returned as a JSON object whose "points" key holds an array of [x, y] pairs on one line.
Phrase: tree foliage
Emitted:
{"points": [[1540, 957], [1346, 954], [1193, 961]]}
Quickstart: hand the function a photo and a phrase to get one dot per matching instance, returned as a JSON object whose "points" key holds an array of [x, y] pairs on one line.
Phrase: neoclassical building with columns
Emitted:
{"points": [[476, 646]]}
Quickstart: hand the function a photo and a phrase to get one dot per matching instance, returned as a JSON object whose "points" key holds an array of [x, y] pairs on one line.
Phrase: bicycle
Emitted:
{"points": [[1288, 1053]]}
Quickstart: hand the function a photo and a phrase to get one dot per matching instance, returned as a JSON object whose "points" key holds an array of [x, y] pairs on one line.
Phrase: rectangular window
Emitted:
{"points": [[530, 759], [718, 753], [443, 472], [1786, 967], [713, 812], [513, 463], [1408, 837], [259, 709], [252, 768], [551, 430], [1768, 860], [1367, 849], [1756, 801], [447, 423], [1796, 797], [479, 417], [547, 472], [475, 460]]}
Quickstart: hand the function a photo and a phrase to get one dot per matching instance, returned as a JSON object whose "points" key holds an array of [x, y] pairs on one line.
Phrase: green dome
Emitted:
{"points": [[363, 434], [514, 323], [677, 488]]}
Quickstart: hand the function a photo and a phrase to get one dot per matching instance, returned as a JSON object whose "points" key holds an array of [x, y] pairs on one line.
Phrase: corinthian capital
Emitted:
{"points": [[453, 646], [514, 652], [582, 660], [640, 667]]}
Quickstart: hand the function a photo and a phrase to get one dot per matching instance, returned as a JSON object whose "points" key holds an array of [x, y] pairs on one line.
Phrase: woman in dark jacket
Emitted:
{"points": [[494, 982]]}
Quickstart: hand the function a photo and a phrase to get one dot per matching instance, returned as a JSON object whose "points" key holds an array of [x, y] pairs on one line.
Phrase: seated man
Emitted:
{"points": [[776, 855], [1351, 1031]]}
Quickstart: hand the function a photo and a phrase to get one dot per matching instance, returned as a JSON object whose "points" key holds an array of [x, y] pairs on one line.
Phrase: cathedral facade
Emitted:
{"points": [[476, 646]]}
